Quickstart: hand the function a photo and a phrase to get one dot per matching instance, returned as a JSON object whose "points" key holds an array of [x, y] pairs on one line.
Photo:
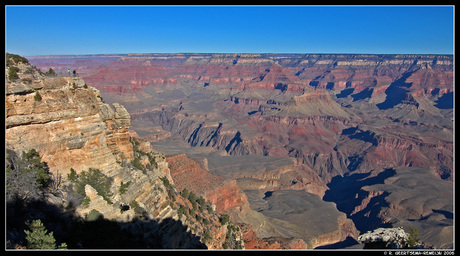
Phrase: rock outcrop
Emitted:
{"points": [[61, 119], [222, 192], [391, 238]]}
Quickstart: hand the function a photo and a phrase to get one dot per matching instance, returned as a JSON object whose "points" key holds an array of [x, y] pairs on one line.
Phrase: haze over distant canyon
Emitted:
{"points": [[301, 150]]}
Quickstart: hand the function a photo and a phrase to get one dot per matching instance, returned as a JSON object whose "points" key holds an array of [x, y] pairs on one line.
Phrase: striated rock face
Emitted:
{"points": [[118, 122], [224, 193], [384, 147], [252, 242], [68, 124], [65, 125]]}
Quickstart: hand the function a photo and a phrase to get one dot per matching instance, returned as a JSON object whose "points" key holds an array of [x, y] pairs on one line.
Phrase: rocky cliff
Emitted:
{"points": [[224, 193], [66, 121], [70, 126]]}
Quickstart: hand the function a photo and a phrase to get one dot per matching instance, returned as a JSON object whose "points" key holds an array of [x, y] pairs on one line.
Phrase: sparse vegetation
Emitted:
{"points": [[224, 218], [138, 153], [136, 163], [231, 241], [181, 211], [72, 176], [37, 96], [12, 59], [50, 72], [124, 187], [94, 215], [99, 96], [185, 193], [26, 80], [13, 73], [96, 179], [138, 210], [206, 236], [26, 177], [414, 237], [170, 188]]}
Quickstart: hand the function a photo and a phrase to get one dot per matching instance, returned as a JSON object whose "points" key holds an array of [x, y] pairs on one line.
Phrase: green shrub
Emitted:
{"points": [[72, 176], [134, 204], [224, 218], [96, 179], [37, 96], [13, 73], [209, 207], [50, 72], [206, 236], [185, 193], [15, 59], [200, 200], [124, 187], [94, 215], [182, 211], [192, 197], [136, 163], [414, 237], [138, 210]]}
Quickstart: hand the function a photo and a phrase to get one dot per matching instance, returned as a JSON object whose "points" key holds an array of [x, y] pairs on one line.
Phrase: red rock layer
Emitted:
{"points": [[187, 173]]}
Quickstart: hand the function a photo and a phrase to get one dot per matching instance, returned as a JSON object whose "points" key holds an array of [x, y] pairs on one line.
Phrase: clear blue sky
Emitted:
{"points": [[46, 30]]}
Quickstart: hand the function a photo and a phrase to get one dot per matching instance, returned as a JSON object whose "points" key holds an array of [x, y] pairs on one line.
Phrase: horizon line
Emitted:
{"points": [[235, 53]]}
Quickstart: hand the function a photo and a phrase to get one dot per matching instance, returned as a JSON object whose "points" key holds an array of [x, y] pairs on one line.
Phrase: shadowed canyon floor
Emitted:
{"points": [[365, 139]]}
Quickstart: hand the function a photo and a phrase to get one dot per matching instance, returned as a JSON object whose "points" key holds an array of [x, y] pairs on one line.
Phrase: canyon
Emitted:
{"points": [[75, 133], [301, 150]]}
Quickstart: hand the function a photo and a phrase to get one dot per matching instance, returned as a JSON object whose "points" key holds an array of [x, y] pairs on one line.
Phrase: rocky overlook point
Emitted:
{"points": [[298, 150], [92, 184]]}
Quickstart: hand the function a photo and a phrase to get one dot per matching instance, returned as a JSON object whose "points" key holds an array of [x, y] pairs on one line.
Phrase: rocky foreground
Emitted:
{"points": [[260, 130]]}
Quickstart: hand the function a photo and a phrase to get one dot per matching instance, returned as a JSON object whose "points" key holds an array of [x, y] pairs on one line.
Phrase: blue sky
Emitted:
{"points": [[47, 30]]}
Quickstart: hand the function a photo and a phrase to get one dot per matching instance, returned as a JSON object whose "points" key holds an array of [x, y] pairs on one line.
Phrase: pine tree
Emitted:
{"points": [[37, 237], [414, 237]]}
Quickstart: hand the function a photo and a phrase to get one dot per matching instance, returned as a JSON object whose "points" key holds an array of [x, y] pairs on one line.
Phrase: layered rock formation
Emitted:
{"points": [[64, 121], [67, 122], [224, 193], [332, 113]]}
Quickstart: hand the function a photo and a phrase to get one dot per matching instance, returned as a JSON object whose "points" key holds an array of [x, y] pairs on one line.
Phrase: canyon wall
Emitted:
{"points": [[69, 125], [334, 115]]}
